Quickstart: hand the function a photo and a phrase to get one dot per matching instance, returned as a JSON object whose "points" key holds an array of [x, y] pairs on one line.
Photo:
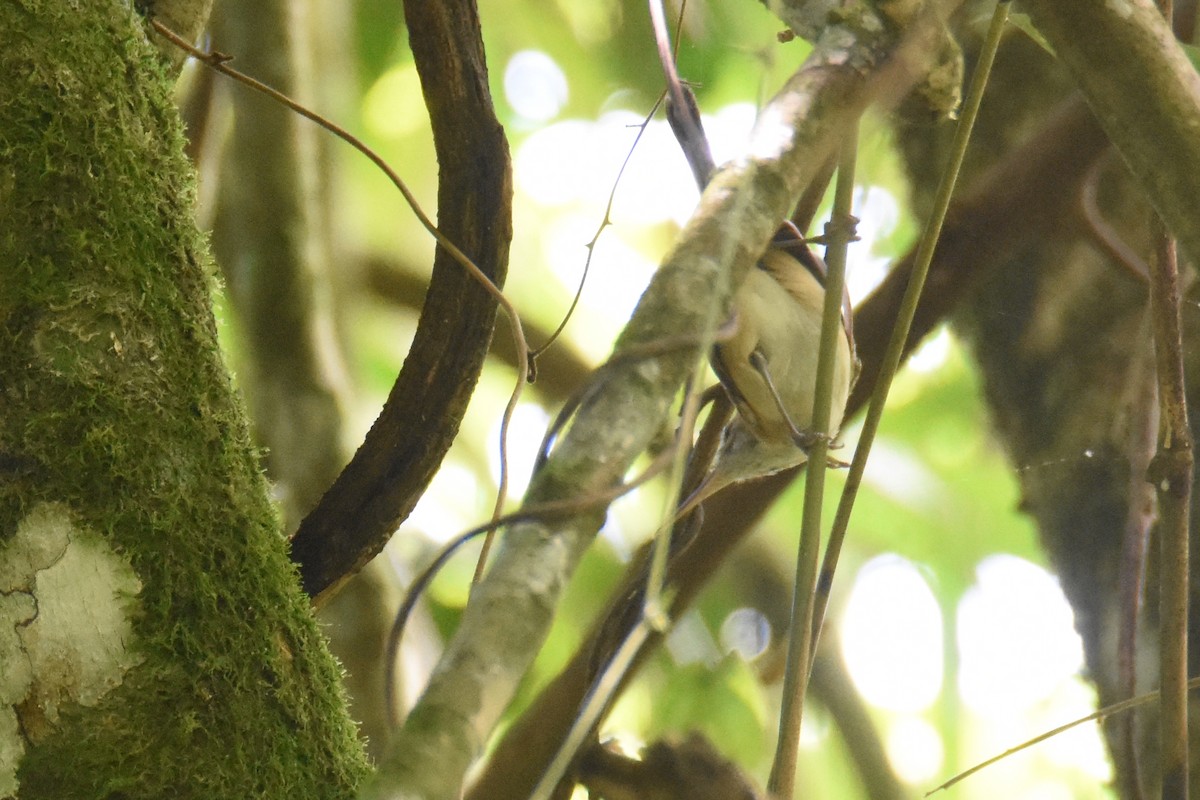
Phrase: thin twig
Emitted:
{"points": [[908, 308], [547, 510], [536, 352], [1103, 713], [594, 706], [654, 616], [654, 619], [684, 118], [1141, 437], [1171, 471], [541, 511], [219, 62]]}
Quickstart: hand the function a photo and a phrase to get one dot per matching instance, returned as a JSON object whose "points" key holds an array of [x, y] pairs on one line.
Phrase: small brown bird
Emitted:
{"points": [[768, 367]]}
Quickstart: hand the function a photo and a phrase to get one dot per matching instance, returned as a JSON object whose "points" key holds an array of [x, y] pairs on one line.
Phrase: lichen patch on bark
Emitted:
{"points": [[65, 604]]}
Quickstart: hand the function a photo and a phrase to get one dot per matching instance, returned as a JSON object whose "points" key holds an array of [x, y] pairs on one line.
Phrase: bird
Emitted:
{"points": [[768, 363], [768, 367]]}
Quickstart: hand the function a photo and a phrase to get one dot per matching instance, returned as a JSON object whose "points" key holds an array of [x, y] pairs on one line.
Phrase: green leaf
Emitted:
{"points": [[1025, 25]]}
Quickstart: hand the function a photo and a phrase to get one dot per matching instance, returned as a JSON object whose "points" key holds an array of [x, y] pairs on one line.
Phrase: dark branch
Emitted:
{"points": [[420, 419]]}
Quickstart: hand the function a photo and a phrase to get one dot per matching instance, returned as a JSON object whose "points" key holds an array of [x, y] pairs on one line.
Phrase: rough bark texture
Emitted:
{"points": [[119, 430]]}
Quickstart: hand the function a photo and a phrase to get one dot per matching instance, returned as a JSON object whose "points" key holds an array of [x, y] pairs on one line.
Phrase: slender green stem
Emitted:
{"points": [[908, 309], [800, 639]]}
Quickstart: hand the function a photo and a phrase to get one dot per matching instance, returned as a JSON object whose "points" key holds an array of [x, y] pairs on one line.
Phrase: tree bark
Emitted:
{"points": [[155, 642], [1061, 334]]}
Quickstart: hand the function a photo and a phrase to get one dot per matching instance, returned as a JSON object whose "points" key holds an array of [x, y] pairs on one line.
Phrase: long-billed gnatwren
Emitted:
{"points": [[768, 363], [768, 366]]}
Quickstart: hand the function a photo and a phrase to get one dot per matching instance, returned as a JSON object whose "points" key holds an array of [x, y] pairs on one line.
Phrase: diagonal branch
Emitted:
{"points": [[510, 611], [1010, 206]]}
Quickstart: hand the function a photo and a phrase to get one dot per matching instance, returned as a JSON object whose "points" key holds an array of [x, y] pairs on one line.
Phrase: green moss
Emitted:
{"points": [[115, 401]]}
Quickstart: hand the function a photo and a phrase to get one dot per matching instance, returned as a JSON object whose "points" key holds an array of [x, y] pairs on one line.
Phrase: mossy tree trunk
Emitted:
{"points": [[154, 641]]}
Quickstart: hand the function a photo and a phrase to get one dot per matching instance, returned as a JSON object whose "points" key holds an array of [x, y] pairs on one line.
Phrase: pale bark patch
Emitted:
{"points": [[65, 604]]}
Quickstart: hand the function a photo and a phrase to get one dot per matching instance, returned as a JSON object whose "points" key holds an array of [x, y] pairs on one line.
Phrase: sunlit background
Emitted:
{"points": [[948, 625]]}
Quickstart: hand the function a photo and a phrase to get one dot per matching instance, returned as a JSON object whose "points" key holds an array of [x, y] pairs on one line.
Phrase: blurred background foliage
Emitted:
{"points": [[944, 621]]}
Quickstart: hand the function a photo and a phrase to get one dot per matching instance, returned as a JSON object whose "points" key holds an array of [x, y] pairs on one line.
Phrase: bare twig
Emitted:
{"points": [[1141, 435], [544, 511], [219, 62], [1171, 472], [537, 352]]}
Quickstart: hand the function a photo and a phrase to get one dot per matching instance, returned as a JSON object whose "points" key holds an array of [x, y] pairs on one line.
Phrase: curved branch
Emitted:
{"points": [[1147, 100], [420, 419]]}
